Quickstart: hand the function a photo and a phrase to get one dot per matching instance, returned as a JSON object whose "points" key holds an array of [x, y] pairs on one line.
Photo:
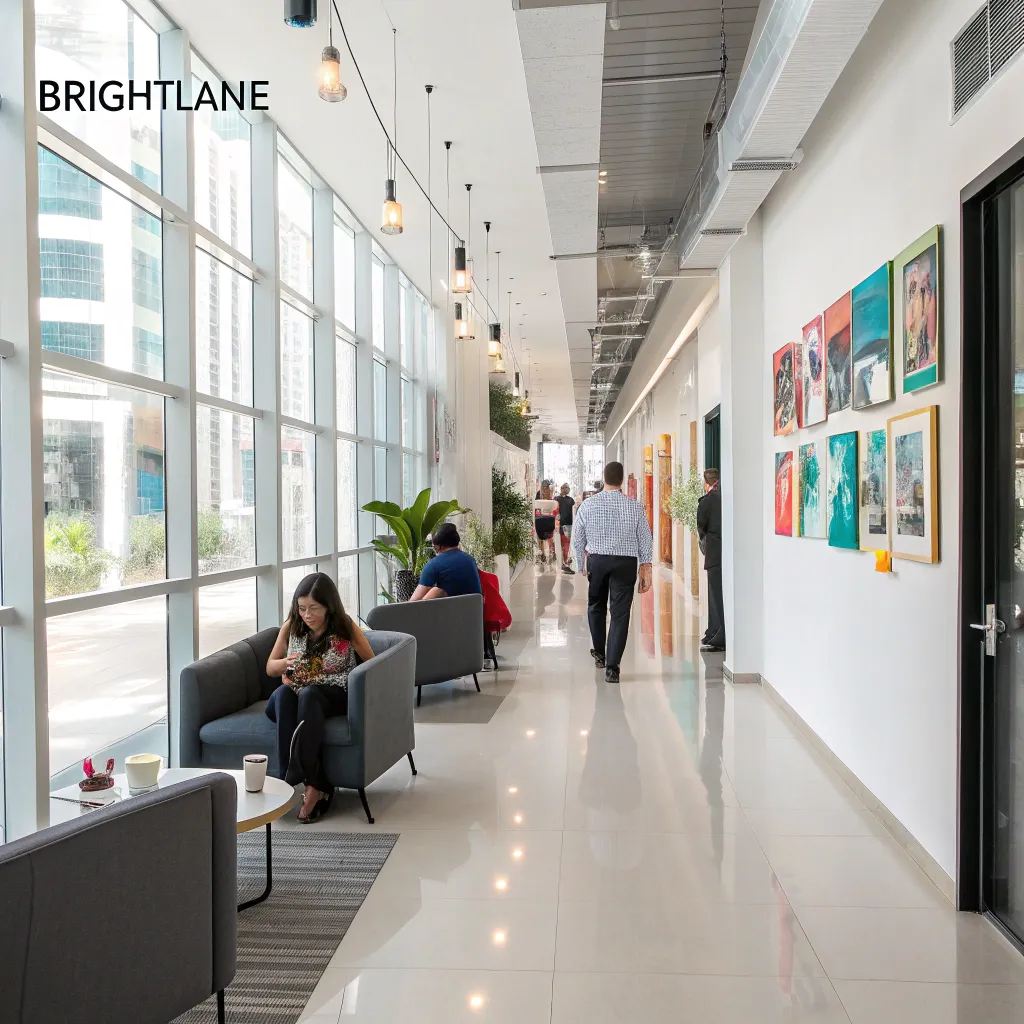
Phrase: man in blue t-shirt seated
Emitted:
{"points": [[451, 572]]}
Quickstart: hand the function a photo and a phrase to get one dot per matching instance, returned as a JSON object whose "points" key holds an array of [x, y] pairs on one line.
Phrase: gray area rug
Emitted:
{"points": [[284, 943]]}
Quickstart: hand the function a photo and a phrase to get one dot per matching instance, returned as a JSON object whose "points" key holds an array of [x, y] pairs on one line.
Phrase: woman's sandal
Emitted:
{"points": [[320, 808]]}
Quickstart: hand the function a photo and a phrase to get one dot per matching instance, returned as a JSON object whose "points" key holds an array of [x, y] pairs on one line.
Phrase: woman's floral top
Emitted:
{"points": [[328, 669]]}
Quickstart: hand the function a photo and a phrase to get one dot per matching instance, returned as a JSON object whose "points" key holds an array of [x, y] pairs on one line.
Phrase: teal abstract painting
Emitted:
{"points": [[872, 338], [842, 490], [811, 481]]}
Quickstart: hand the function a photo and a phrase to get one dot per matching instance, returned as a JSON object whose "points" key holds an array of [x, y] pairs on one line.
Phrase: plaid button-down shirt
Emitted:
{"points": [[609, 523]]}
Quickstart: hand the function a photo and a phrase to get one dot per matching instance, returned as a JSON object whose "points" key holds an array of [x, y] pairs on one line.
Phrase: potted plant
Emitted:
{"points": [[683, 498], [411, 528]]}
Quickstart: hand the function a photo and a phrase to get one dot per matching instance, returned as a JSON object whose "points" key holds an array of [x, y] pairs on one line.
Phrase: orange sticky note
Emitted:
{"points": [[883, 561]]}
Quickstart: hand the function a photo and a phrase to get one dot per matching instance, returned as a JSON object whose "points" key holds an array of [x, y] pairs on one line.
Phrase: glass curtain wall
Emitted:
{"points": [[118, 361]]}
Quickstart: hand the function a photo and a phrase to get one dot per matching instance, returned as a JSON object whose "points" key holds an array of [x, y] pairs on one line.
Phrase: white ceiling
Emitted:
{"points": [[469, 51]]}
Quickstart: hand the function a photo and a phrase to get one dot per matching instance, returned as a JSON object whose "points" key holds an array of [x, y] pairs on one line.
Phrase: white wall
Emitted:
{"points": [[870, 661]]}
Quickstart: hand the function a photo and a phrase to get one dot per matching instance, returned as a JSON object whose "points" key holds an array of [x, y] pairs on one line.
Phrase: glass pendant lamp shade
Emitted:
{"points": [[331, 88], [391, 221], [462, 282], [499, 365], [300, 13], [494, 342], [515, 386], [463, 323]]}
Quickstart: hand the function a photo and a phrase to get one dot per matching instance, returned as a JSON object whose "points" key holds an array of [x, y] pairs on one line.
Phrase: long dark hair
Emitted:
{"points": [[320, 587]]}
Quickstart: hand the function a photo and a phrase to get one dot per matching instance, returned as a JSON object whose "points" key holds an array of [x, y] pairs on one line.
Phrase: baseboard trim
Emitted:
{"points": [[740, 677], [924, 860]]}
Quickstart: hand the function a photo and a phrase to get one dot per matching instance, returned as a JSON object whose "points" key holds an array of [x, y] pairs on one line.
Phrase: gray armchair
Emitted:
{"points": [[223, 717], [449, 636], [127, 914]]}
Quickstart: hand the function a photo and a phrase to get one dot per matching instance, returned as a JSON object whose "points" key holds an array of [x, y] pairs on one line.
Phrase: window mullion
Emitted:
{"points": [[325, 406]]}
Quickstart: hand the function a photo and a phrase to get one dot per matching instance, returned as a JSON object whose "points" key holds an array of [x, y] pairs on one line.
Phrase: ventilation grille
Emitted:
{"points": [[766, 165], [723, 231], [989, 41]]}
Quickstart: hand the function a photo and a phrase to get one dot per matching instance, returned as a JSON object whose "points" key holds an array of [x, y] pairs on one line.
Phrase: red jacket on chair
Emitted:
{"points": [[497, 617]]}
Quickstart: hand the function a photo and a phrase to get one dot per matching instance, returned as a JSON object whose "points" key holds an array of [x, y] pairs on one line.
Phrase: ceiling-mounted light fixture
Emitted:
{"points": [[462, 277], [391, 217], [331, 87], [300, 13], [463, 323]]}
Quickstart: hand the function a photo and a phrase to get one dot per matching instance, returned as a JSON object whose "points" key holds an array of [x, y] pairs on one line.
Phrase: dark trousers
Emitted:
{"points": [[715, 635], [612, 578], [310, 708]]}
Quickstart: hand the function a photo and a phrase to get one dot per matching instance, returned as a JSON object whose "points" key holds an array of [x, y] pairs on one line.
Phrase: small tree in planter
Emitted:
{"points": [[683, 498], [411, 528]]}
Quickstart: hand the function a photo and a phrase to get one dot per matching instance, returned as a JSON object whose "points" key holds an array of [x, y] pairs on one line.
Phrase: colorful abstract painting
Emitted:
{"points": [[842, 490], [871, 330], [914, 503], [874, 453], [810, 501], [784, 494], [838, 365], [815, 400], [918, 271], [785, 391]]}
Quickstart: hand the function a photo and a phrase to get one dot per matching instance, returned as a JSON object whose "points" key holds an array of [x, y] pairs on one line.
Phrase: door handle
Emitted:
{"points": [[991, 627]]}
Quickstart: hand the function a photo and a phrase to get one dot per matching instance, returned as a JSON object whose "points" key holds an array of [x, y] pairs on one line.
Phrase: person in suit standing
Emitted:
{"points": [[709, 533]]}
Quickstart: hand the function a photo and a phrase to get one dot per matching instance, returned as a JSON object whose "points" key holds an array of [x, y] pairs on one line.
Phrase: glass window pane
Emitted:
{"points": [[348, 584], [226, 490], [409, 491], [107, 682], [298, 493], [422, 333], [103, 485], [227, 614], [295, 220], [101, 272], [405, 318], [296, 364], [223, 330], [223, 158], [380, 400], [346, 359], [290, 579], [99, 41], [408, 412], [348, 536], [345, 275], [380, 474], [377, 299]]}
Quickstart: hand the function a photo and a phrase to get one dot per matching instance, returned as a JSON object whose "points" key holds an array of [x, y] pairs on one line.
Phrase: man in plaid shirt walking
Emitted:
{"points": [[613, 534]]}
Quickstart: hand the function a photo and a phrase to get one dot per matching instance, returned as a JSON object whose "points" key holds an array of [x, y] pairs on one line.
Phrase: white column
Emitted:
{"points": [[744, 426], [26, 727]]}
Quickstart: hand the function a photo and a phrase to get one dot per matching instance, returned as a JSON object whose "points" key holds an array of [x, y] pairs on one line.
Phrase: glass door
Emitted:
{"points": [[1002, 618]]}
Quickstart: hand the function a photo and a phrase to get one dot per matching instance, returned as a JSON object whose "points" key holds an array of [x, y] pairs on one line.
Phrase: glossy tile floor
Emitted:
{"points": [[664, 850]]}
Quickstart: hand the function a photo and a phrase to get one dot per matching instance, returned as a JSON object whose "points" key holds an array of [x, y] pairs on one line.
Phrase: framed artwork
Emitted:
{"points": [[784, 494], [784, 366], [811, 480], [917, 273], [842, 490], [798, 382], [874, 480], [815, 397], [871, 331], [913, 485], [838, 364]]}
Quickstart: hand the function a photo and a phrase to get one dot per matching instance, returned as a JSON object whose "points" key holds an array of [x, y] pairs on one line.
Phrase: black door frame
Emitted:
{"points": [[978, 406], [709, 417]]}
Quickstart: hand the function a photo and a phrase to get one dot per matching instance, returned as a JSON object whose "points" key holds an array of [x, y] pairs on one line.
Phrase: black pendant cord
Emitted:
{"points": [[469, 216], [373, 106]]}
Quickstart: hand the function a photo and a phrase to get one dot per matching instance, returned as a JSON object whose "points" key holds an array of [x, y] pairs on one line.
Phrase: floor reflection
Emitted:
{"points": [[611, 775]]}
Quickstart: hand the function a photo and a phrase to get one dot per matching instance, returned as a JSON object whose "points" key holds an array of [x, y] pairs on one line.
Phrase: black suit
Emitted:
{"points": [[709, 530]]}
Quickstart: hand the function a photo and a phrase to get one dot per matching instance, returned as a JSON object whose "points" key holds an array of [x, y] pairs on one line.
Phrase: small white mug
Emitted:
{"points": [[255, 767]]}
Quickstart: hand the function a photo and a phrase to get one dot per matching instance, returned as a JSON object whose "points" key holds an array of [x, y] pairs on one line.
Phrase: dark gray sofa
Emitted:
{"points": [[223, 718], [449, 635], [125, 915]]}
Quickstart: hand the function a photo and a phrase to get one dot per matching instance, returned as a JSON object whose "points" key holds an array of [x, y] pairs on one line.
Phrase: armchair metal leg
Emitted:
{"points": [[477, 681], [366, 806], [221, 1018], [412, 763], [419, 695]]}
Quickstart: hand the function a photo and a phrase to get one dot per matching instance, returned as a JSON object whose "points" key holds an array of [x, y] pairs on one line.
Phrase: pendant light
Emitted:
{"points": [[331, 87], [462, 279], [300, 13], [464, 322], [391, 219], [494, 344], [515, 386]]}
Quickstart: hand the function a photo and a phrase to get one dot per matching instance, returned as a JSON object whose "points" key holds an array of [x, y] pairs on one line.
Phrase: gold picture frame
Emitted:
{"points": [[913, 457]]}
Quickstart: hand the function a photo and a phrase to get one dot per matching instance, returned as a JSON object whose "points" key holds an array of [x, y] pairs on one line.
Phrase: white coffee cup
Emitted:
{"points": [[143, 771], [255, 767]]}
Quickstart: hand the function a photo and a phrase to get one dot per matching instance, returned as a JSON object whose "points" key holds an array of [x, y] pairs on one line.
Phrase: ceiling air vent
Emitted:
{"points": [[984, 47]]}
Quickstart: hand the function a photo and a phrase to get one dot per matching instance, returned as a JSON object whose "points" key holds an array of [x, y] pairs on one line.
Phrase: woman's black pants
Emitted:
{"points": [[309, 708]]}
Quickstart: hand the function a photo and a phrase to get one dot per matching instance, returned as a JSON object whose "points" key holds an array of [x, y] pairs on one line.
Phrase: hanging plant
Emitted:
{"points": [[683, 499]]}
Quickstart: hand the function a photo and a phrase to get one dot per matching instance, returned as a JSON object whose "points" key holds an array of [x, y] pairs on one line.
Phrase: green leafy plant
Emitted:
{"points": [[411, 528], [507, 419], [209, 534], [147, 550], [75, 563], [683, 498], [512, 518], [476, 539]]}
